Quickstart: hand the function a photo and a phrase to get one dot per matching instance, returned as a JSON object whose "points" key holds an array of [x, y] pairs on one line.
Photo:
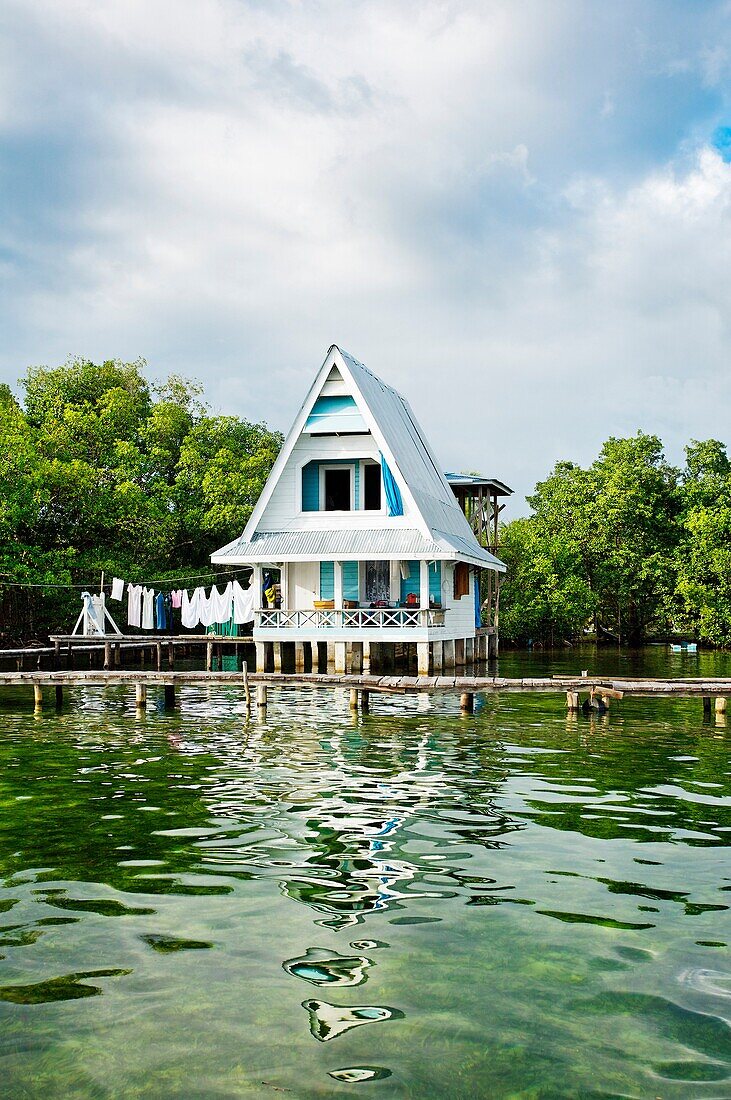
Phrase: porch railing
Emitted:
{"points": [[350, 618]]}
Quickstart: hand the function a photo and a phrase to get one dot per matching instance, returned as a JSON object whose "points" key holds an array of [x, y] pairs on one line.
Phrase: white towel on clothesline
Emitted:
{"points": [[243, 603]]}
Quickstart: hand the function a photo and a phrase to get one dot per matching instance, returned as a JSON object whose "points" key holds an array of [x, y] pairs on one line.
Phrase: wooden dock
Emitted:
{"points": [[581, 692]]}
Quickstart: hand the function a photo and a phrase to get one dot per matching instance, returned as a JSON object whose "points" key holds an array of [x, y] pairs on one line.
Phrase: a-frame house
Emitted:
{"points": [[359, 534]]}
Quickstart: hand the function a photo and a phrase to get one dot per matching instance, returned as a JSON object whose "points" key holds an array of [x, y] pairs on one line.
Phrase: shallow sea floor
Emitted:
{"points": [[410, 903]]}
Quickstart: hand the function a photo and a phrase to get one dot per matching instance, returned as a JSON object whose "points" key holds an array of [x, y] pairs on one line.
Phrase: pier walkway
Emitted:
{"points": [[597, 692]]}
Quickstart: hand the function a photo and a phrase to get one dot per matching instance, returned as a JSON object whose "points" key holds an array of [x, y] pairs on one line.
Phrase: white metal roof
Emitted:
{"points": [[351, 544], [437, 517]]}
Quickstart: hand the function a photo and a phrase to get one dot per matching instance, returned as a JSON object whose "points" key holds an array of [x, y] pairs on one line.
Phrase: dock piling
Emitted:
{"points": [[261, 697], [38, 696], [140, 695]]}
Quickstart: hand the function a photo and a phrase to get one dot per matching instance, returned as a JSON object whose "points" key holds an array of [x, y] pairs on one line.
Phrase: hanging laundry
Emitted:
{"points": [[190, 609], [91, 607], [176, 597], [243, 603], [134, 598], [117, 588], [222, 603], [148, 599], [207, 607], [161, 619]]}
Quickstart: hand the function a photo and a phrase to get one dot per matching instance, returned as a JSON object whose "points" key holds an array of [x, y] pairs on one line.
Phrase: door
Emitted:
{"points": [[377, 581]]}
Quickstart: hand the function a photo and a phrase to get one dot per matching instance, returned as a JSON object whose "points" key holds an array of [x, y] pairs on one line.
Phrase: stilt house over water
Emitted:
{"points": [[359, 543]]}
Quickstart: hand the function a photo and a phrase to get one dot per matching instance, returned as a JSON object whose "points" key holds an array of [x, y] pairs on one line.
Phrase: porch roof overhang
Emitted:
{"points": [[402, 544]]}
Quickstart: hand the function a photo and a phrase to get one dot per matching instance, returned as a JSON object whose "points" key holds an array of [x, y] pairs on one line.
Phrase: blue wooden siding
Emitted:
{"points": [[311, 487], [351, 587], [311, 482], [411, 584], [351, 583], [327, 580]]}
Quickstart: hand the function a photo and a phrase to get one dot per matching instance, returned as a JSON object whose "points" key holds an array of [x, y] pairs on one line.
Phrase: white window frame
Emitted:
{"points": [[350, 467]]}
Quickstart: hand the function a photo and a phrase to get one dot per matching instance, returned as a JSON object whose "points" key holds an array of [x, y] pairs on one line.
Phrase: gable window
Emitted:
{"points": [[338, 485], [372, 487]]}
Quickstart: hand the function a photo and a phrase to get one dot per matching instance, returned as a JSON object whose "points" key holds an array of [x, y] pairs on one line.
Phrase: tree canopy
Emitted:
{"points": [[629, 547], [102, 469]]}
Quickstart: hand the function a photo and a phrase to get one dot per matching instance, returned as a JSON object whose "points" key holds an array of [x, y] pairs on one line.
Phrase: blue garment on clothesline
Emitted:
{"points": [[161, 619]]}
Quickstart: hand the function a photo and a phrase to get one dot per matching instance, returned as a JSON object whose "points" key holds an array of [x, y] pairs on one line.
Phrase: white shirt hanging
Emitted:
{"points": [[117, 588], [148, 609], [134, 597]]}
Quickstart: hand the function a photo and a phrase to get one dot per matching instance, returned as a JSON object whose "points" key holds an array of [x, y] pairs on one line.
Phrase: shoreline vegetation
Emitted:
{"points": [[104, 470]]}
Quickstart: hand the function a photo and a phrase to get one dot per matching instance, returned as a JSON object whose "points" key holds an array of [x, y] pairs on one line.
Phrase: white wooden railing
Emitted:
{"points": [[350, 618]]}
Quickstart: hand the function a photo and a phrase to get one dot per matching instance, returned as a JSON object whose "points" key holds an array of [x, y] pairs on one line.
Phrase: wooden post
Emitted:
{"points": [[70, 656], [56, 653], [459, 652], [118, 656], [209, 656], [448, 650], [365, 701], [247, 691], [437, 649], [366, 657], [140, 695], [171, 655], [277, 656], [353, 698], [339, 658], [330, 654], [572, 700], [422, 658], [107, 655], [299, 656], [720, 704], [59, 696], [261, 657], [261, 697], [169, 696], [158, 654], [356, 656], [467, 702], [38, 696], [469, 650]]}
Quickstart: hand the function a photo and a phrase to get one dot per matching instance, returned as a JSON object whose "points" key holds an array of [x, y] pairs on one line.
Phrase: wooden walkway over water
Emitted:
{"points": [[580, 691]]}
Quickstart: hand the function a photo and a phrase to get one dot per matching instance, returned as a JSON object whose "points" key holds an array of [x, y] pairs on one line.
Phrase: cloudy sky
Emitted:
{"points": [[519, 214]]}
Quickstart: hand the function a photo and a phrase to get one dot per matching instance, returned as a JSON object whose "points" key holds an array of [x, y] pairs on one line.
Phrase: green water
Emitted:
{"points": [[411, 903]]}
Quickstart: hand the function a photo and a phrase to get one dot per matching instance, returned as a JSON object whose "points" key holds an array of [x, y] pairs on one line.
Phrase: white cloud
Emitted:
{"points": [[497, 206]]}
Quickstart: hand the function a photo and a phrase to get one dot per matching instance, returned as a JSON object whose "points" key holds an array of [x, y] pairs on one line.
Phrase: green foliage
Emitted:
{"points": [[617, 547], [702, 597], [101, 470]]}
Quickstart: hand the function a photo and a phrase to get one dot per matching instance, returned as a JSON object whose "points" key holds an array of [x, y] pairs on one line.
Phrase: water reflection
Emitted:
{"points": [[328, 1021], [532, 875], [321, 967]]}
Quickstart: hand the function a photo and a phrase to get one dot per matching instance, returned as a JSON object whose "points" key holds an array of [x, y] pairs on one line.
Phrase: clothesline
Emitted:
{"points": [[158, 580], [150, 609]]}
